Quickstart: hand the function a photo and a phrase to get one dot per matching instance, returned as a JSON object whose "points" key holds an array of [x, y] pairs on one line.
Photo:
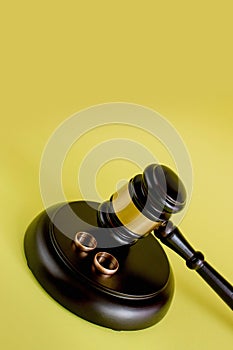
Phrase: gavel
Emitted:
{"points": [[100, 260], [146, 204]]}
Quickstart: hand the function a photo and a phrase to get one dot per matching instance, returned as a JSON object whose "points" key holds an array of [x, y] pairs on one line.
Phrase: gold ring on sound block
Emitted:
{"points": [[85, 241], [106, 263]]}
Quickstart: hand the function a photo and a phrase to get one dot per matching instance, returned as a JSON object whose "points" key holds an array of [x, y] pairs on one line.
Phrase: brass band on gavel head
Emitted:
{"points": [[129, 214]]}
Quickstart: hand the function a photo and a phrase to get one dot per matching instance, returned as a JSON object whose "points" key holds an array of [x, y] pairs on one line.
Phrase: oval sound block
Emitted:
{"points": [[137, 296]]}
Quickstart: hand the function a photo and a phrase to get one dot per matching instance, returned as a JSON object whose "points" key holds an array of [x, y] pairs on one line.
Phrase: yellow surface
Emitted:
{"points": [[58, 57]]}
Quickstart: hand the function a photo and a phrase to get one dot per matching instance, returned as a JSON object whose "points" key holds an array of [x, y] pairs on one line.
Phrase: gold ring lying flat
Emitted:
{"points": [[106, 263], [85, 241]]}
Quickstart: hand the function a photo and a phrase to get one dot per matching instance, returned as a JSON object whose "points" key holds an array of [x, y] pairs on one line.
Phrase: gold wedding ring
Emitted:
{"points": [[85, 241], [106, 263]]}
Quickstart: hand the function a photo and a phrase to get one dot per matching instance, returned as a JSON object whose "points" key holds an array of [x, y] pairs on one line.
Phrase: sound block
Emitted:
{"points": [[137, 296]]}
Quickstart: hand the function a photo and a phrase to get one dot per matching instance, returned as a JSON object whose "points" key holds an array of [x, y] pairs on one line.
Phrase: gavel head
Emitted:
{"points": [[143, 204]]}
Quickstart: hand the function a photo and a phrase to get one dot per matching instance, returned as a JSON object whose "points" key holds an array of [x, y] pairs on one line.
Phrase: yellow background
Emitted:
{"points": [[58, 57]]}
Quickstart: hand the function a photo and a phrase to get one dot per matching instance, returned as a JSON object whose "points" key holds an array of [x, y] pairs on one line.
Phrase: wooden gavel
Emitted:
{"points": [[146, 203]]}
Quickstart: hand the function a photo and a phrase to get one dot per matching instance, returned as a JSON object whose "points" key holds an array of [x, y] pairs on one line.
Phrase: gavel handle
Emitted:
{"points": [[221, 286], [171, 236]]}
